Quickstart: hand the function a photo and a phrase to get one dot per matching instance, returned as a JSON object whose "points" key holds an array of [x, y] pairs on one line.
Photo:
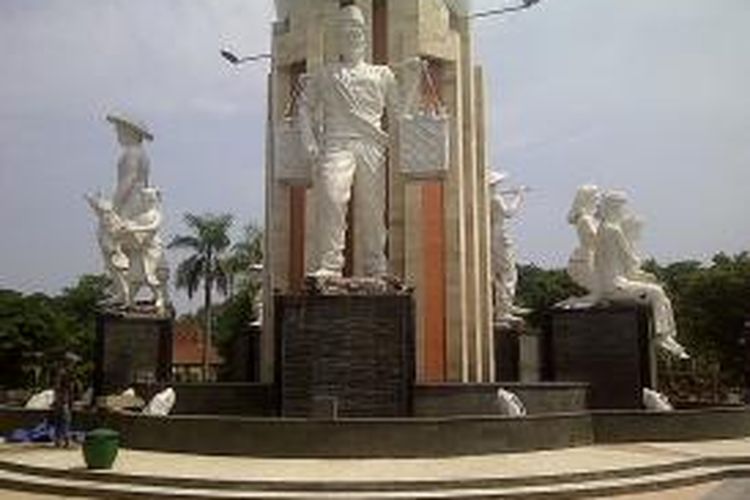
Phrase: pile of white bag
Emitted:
{"points": [[510, 404], [161, 404], [42, 400], [656, 401]]}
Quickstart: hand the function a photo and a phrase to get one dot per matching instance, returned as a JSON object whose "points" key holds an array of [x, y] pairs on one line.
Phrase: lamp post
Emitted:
{"points": [[234, 59], [525, 4]]}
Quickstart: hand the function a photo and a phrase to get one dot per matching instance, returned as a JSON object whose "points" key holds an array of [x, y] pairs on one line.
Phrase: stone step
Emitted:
{"points": [[571, 486]]}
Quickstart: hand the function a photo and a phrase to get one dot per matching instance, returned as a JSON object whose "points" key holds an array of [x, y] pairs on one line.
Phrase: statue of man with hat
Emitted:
{"points": [[129, 223], [343, 104], [132, 167]]}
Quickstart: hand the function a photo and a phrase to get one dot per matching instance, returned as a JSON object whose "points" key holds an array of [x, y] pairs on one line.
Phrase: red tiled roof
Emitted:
{"points": [[187, 345]]}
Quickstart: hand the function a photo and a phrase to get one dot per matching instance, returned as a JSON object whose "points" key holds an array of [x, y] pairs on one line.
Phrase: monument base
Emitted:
{"points": [[131, 348], [345, 355], [508, 350], [607, 346]]}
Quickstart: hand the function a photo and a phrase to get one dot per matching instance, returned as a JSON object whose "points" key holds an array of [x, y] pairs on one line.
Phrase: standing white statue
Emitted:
{"points": [[504, 206], [129, 224], [583, 215], [342, 107], [132, 167], [618, 272]]}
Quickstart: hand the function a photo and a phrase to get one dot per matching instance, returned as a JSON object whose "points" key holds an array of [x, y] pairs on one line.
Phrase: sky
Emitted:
{"points": [[652, 97]]}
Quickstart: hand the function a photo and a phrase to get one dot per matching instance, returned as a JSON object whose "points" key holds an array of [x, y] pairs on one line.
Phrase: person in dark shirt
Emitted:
{"points": [[62, 408]]}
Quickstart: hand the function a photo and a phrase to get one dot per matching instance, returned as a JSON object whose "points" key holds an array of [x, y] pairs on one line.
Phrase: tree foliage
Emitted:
{"points": [[208, 242], [36, 329]]}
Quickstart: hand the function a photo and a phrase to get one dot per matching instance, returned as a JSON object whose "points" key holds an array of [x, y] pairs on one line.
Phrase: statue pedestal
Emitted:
{"points": [[131, 348], [609, 347], [354, 352], [508, 350]]}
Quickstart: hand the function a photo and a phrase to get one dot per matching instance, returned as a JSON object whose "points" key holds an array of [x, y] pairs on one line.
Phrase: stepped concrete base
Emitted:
{"points": [[388, 438], [575, 473]]}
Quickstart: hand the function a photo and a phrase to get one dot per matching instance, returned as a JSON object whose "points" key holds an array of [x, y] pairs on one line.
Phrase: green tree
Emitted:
{"points": [[208, 243], [244, 261], [235, 316], [36, 329], [539, 289]]}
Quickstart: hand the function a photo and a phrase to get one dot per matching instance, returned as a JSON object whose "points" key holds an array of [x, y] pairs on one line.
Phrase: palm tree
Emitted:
{"points": [[208, 241], [246, 256]]}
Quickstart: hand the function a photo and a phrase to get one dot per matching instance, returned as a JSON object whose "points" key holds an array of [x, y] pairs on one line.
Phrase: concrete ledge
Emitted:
{"points": [[415, 437], [404, 438], [218, 398], [620, 426], [440, 400]]}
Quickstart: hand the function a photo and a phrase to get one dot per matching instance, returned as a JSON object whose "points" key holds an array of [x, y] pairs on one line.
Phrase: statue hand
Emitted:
{"points": [[313, 152]]}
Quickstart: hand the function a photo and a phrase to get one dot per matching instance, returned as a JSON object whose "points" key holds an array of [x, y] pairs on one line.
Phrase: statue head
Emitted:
{"points": [[129, 132], [613, 206], [495, 178], [351, 34], [585, 202], [151, 197], [632, 226]]}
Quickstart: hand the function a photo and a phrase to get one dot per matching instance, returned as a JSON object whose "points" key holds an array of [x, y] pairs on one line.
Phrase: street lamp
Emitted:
{"points": [[234, 59], [525, 4]]}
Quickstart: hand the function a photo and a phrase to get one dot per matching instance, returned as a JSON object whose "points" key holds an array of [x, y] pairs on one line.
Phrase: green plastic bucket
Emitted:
{"points": [[100, 448]]}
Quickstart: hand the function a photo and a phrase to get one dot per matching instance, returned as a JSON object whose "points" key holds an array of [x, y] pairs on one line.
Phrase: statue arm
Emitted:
{"points": [[393, 95], [153, 224], [308, 109], [511, 205], [631, 259]]}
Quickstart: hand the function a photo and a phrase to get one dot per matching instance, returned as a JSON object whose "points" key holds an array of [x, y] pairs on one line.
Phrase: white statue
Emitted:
{"points": [[129, 224], [583, 216], [618, 272], [110, 236], [146, 247], [504, 206], [132, 167], [340, 115]]}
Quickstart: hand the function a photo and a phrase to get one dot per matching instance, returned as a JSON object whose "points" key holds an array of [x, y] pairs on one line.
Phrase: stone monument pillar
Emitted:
{"points": [[134, 335], [437, 230]]}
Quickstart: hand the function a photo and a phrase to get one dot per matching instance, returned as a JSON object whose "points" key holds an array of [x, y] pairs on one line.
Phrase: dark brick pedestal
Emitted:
{"points": [[608, 347], [131, 348], [508, 351], [243, 361], [345, 355]]}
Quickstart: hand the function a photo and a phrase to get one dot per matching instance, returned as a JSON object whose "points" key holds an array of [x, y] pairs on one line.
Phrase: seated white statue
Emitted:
{"points": [[618, 271], [582, 215], [510, 404], [656, 401]]}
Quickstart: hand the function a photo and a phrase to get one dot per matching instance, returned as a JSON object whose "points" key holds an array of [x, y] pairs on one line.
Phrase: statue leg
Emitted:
{"points": [[332, 186], [369, 211]]}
